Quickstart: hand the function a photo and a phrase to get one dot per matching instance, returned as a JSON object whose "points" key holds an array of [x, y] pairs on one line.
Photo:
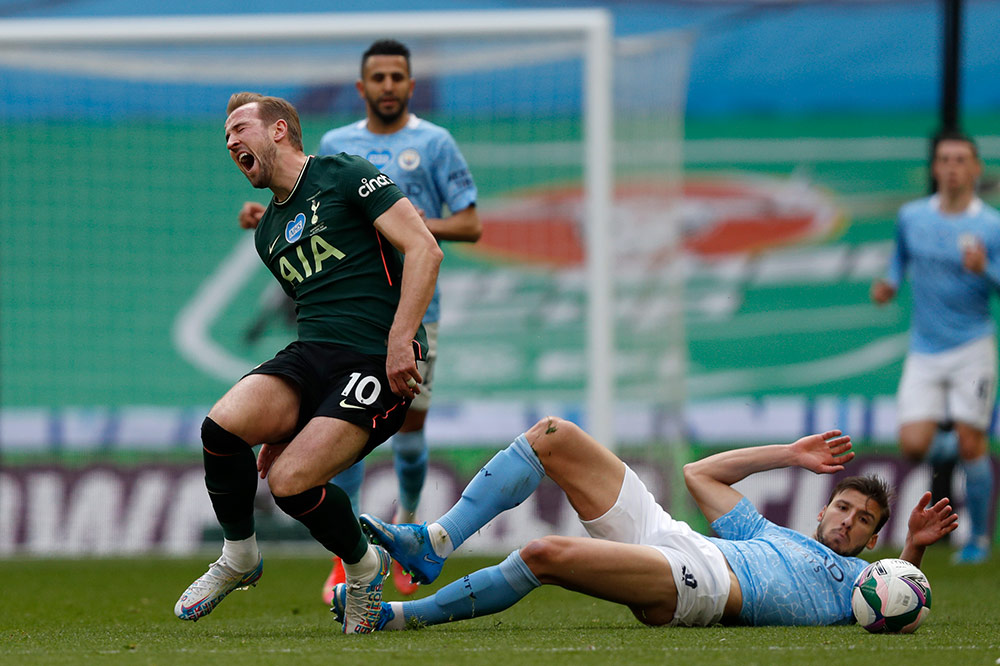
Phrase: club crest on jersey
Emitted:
{"points": [[293, 230], [379, 157], [409, 159], [370, 185]]}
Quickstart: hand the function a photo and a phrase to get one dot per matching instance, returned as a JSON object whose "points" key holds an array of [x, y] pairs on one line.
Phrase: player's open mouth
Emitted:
{"points": [[246, 160]]}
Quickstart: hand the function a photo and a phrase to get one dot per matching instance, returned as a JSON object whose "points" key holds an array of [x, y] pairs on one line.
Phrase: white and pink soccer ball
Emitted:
{"points": [[891, 596]]}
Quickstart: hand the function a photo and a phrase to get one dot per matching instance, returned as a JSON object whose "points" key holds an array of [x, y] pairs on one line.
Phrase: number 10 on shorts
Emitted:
{"points": [[366, 389]]}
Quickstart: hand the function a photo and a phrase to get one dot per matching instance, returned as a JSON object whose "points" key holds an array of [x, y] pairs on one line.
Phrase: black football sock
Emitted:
{"points": [[326, 512], [231, 479]]}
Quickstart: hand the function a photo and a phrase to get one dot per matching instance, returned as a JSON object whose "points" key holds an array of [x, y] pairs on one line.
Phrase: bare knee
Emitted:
{"points": [[285, 481], [911, 454], [550, 428], [545, 557], [550, 438], [972, 443], [914, 442], [912, 447]]}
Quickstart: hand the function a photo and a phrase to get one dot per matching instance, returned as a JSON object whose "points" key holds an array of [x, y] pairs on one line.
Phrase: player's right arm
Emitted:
{"points": [[710, 479], [884, 289], [401, 225], [250, 214]]}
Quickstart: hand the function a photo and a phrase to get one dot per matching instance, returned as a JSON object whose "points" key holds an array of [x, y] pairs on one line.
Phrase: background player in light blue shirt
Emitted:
{"points": [[948, 246], [425, 162], [665, 572]]}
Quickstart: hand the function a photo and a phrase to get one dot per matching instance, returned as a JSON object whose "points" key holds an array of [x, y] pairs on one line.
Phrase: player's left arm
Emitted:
{"points": [[927, 524], [401, 225], [981, 250], [884, 288], [975, 258], [453, 181], [710, 479]]}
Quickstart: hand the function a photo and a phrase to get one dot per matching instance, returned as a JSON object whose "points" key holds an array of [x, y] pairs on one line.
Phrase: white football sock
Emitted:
{"points": [[398, 621], [440, 540], [241, 555], [365, 567]]}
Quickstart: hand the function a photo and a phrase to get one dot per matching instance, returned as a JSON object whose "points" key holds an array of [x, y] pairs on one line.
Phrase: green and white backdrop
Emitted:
{"points": [[128, 293]]}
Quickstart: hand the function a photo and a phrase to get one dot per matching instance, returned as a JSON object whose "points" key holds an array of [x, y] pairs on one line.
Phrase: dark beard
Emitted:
{"points": [[389, 118], [855, 553]]}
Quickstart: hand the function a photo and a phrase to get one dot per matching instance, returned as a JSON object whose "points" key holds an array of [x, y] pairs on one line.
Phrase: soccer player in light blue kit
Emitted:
{"points": [[948, 246], [666, 573], [424, 161]]}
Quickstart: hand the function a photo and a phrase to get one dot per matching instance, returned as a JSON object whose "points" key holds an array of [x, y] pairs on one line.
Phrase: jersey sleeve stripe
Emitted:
{"points": [[378, 238]]}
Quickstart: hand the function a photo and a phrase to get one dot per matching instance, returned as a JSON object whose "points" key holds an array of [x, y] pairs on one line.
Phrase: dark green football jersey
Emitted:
{"points": [[322, 247]]}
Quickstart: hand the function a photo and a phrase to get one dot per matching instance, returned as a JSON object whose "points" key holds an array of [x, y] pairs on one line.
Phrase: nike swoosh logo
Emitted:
{"points": [[194, 605], [275, 242], [346, 405], [428, 558]]}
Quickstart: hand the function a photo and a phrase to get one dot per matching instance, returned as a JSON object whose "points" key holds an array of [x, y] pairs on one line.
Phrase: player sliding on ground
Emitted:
{"points": [[756, 573]]}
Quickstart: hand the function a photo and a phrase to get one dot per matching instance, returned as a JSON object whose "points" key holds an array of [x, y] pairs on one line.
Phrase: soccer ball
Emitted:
{"points": [[891, 596]]}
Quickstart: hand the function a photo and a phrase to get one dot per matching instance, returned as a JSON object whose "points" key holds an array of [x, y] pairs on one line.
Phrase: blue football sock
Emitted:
{"points": [[506, 481], [944, 447], [978, 493], [410, 457], [350, 482], [483, 592]]}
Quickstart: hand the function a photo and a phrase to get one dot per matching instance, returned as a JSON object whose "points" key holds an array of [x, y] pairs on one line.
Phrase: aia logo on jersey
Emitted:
{"points": [[408, 160], [293, 230]]}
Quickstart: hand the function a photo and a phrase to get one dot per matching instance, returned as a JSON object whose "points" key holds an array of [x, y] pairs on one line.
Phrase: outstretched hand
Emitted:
{"points": [[927, 524], [824, 453]]}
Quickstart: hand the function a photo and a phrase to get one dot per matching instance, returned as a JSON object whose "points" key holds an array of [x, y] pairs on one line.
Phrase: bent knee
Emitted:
{"points": [[279, 485], [284, 481], [913, 449], [545, 558], [551, 433], [549, 425]]}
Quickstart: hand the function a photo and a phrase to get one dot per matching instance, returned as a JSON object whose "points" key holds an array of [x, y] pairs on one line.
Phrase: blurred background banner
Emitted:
{"points": [[759, 153]]}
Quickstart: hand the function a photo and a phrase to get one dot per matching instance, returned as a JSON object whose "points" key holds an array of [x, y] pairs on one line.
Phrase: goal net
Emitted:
{"points": [[131, 298]]}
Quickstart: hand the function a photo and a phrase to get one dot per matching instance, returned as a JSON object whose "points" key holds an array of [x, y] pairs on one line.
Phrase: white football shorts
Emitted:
{"points": [[959, 384], [699, 568]]}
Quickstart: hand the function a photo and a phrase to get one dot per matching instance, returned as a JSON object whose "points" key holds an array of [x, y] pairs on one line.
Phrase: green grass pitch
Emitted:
{"points": [[117, 611]]}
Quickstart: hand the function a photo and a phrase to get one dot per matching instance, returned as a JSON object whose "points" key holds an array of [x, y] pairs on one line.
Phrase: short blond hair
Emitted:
{"points": [[270, 110]]}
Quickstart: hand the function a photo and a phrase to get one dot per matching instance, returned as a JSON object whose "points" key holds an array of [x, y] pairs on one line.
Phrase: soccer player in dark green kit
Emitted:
{"points": [[332, 235]]}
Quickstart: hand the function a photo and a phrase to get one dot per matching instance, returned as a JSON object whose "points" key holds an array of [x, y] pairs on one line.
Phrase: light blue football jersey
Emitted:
{"points": [[422, 159], [951, 306], [787, 578]]}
